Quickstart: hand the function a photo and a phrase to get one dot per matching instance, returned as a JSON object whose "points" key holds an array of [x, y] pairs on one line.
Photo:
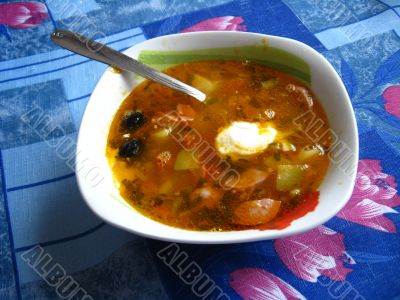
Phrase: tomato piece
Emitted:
{"points": [[186, 112]]}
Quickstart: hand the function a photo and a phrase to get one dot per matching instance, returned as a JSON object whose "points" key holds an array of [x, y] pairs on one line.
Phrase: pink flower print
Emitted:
{"points": [[318, 252], [254, 283], [392, 100], [227, 23], [22, 14], [374, 195]]}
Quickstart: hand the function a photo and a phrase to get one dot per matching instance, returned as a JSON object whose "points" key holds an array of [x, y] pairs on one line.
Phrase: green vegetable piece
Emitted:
{"points": [[289, 177], [286, 146], [269, 83], [162, 133], [185, 161], [203, 84]]}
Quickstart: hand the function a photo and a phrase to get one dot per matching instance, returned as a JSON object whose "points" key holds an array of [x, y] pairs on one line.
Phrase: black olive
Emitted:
{"points": [[133, 120], [131, 149]]}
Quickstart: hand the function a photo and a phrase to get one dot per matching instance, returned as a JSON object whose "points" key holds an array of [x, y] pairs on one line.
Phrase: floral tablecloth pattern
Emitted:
{"points": [[355, 255]]}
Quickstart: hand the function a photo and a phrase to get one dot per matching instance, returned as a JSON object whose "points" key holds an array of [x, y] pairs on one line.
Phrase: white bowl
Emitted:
{"points": [[94, 175]]}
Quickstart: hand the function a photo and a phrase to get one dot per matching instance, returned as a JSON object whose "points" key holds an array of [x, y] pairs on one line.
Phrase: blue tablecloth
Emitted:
{"points": [[52, 246]]}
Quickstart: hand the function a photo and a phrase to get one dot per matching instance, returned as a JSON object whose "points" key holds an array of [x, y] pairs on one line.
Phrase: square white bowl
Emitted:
{"points": [[94, 174]]}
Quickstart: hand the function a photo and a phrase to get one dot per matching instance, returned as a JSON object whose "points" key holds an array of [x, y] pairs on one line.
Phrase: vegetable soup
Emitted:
{"points": [[243, 159]]}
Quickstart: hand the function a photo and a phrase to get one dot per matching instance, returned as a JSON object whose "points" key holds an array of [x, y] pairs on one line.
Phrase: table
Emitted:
{"points": [[52, 246]]}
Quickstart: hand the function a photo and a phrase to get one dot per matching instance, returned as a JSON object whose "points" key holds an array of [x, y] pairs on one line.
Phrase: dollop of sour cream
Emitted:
{"points": [[244, 138]]}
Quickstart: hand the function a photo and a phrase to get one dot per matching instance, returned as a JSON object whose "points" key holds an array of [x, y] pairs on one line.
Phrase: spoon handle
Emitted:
{"points": [[84, 46]]}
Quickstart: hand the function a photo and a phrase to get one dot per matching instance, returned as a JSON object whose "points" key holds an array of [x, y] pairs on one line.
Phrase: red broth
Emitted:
{"points": [[165, 160]]}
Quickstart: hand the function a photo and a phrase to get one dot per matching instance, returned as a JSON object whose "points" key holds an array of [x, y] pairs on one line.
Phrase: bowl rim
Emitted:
{"points": [[209, 237]]}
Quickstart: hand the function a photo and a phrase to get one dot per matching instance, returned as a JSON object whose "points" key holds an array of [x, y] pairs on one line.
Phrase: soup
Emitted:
{"points": [[242, 160]]}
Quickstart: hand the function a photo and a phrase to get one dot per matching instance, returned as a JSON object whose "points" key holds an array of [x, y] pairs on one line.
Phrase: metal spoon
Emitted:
{"points": [[84, 46]]}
